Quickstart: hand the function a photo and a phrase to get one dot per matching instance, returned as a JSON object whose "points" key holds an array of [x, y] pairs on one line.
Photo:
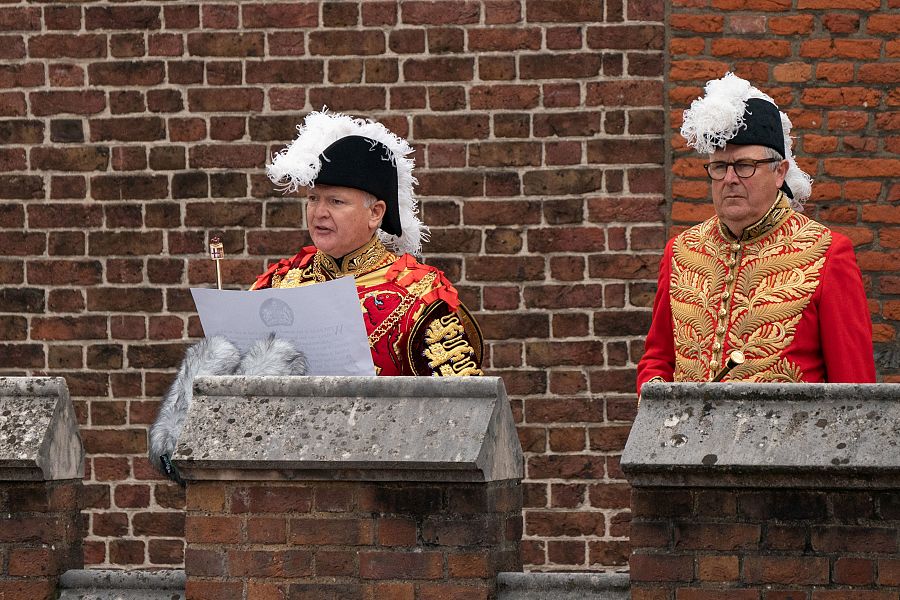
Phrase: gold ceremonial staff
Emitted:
{"points": [[217, 253], [735, 358]]}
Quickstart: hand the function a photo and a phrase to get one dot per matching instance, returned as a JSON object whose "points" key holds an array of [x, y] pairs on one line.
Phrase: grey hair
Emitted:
{"points": [[772, 153], [369, 200]]}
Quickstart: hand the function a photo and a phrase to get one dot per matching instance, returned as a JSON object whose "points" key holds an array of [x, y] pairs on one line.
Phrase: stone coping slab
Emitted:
{"points": [[113, 584], [109, 584], [563, 586], [765, 435], [39, 438], [350, 428]]}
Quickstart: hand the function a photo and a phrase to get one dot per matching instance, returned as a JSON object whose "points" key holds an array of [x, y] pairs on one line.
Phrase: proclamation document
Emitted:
{"points": [[322, 320]]}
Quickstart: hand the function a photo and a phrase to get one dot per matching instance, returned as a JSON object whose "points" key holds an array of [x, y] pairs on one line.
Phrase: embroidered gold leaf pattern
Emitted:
{"points": [[749, 322], [794, 256], [750, 368], [773, 369], [695, 318], [295, 278], [693, 350], [698, 278], [774, 282], [784, 371]]}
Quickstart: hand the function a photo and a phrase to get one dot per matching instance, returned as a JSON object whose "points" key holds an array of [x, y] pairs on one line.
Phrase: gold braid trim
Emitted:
{"points": [[366, 259], [770, 295], [422, 286], [370, 257]]}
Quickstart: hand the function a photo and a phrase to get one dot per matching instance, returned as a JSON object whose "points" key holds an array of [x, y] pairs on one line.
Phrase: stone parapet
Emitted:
{"points": [[41, 526], [116, 584], [39, 437], [350, 488], [765, 491], [784, 435], [363, 428]]}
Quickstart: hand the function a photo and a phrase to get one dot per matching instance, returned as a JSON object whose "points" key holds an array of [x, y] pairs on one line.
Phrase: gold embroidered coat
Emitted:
{"points": [[413, 316], [788, 294]]}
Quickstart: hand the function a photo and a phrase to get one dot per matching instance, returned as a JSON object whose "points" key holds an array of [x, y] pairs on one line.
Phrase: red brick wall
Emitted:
{"points": [[744, 544], [833, 66], [133, 132], [350, 540], [41, 529]]}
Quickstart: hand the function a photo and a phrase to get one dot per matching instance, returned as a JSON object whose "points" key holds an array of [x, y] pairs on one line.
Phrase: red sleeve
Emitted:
{"points": [[845, 327], [659, 348]]}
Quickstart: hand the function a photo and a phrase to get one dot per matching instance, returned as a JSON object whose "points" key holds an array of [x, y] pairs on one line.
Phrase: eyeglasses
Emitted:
{"points": [[742, 168]]}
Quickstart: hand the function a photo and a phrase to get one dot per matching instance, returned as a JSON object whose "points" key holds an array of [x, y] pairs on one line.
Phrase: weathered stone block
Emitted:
{"points": [[766, 435], [39, 439], [360, 428]]}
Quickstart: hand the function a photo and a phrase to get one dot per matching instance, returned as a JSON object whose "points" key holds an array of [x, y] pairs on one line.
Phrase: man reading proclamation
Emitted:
{"points": [[361, 216], [759, 278]]}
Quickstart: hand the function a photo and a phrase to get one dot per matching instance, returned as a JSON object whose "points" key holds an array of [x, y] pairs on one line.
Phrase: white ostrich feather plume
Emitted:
{"points": [[798, 180], [298, 165], [716, 117]]}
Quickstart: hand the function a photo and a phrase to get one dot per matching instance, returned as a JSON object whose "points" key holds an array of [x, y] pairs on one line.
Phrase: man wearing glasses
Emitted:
{"points": [[759, 286]]}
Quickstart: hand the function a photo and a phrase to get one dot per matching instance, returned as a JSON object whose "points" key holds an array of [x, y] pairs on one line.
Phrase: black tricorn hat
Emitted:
{"points": [[384, 169], [365, 164], [762, 127]]}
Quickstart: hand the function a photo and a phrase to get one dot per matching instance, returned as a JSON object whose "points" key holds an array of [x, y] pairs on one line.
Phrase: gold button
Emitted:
{"points": [[729, 278], [717, 346], [722, 312], [735, 247], [726, 295], [720, 330]]}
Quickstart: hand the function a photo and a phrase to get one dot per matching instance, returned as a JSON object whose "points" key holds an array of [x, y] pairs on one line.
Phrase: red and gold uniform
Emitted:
{"points": [[788, 294], [412, 313]]}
